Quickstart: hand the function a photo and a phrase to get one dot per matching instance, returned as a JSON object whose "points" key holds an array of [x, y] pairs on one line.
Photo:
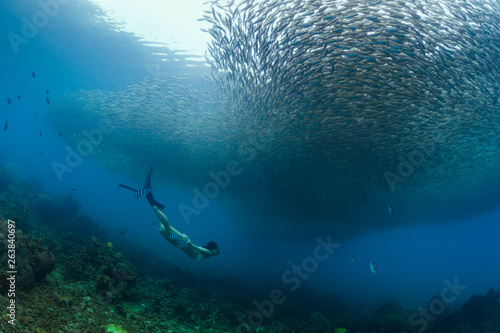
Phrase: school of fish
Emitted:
{"points": [[326, 105]]}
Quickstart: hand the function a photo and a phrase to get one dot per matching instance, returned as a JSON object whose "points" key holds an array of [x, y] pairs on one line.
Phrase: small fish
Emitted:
{"points": [[389, 207], [110, 244], [340, 330], [35, 114], [142, 192], [47, 91], [138, 193], [353, 257], [40, 134], [47, 100], [9, 101], [74, 189], [41, 153], [60, 134], [373, 266], [124, 231], [119, 254], [181, 243], [6, 126], [18, 97], [33, 74], [287, 264]]}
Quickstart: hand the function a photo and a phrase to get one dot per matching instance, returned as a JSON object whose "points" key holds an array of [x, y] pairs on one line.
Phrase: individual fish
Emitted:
{"points": [[41, 153], [59, 133], [74, 189], [181, 243], [9, 101], [142, 192], [33, 74], [110, 244], [47, 91], [353, 257], [6, 126], [373, 266], [47, 100], [18, 97], [40, 134], [389, 208], [287, 263], [124, 231]]}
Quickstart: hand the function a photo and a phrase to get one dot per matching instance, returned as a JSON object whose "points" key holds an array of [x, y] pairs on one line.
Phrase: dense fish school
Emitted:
{"points": [[332, 109]]}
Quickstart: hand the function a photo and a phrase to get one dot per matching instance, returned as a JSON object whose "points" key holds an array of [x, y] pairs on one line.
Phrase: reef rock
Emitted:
{"points": [[32, 260]]}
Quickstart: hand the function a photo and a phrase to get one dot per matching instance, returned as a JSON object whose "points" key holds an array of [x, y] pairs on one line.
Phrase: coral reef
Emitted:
{"points": [[41, 260], [390, 318], [33, 261], [110, 275], [481, 308], [481, 313]]}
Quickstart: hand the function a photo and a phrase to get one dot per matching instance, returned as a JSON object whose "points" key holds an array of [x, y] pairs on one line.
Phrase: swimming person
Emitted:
{"points": [[174, 237]]}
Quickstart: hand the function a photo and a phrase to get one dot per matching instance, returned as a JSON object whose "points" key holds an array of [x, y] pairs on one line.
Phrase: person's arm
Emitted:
{"points": [[201, 252], [197, 252]]}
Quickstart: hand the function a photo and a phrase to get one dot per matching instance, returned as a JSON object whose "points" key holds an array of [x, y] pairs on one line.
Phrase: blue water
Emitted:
{"points": [[69, 54]]}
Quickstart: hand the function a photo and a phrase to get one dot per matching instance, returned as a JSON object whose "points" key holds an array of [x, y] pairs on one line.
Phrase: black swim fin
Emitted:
{"points": [[148, 179], [128, 188], [150, 197], [153, 202]]}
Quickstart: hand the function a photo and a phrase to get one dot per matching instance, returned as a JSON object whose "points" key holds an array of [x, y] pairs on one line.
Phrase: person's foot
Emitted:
{"points": [[150, 198]]}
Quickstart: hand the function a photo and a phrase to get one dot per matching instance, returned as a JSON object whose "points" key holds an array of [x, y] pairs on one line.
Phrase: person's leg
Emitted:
{"points": [[163, 223], [161, 217]]}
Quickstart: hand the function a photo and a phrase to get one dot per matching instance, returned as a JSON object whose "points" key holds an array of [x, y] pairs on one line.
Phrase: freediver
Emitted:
{"points": [[173, 236]]}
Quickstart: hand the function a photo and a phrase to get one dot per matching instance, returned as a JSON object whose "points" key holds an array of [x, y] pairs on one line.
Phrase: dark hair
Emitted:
{"points": [[212, 246]]}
